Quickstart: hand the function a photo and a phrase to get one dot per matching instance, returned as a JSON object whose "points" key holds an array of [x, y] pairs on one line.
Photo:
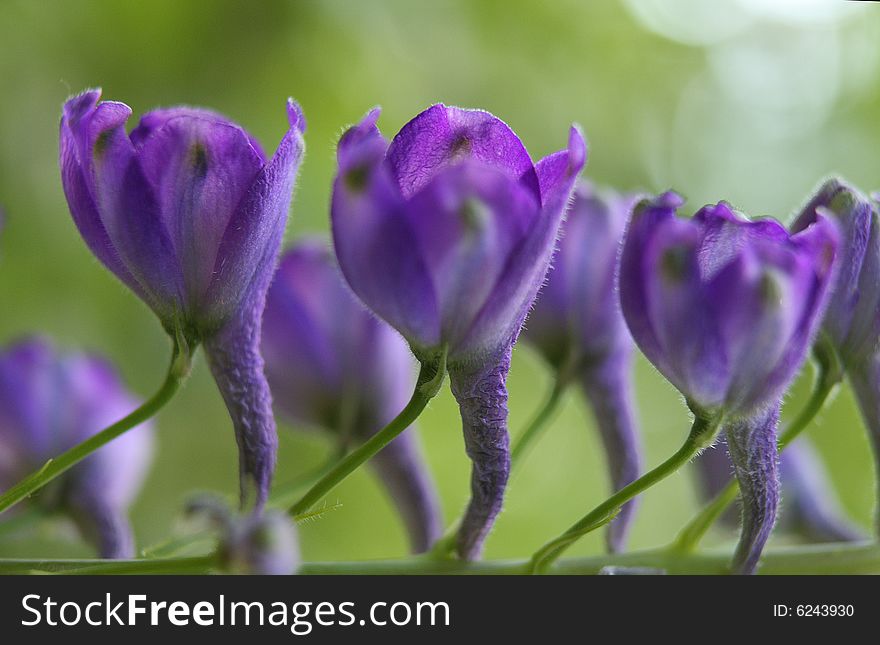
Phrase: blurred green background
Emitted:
{"points": [[747, 100]]}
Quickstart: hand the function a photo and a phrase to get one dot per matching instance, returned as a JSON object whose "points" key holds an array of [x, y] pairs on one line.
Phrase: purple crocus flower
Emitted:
{"points": [[333, 366], [578, 328], [50, 402], [726, 309], [189, 214], [810, 508], [446, 233], [852, 323]]}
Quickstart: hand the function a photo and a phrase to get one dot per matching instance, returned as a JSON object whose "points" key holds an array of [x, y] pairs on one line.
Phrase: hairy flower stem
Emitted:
{"points": [[446, 544], [428, 385], [181, 362], [816, 559], [702, 434], [829, 375]]}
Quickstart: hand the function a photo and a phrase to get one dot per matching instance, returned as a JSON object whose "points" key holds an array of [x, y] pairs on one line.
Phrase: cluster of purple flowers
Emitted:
{"points": [[443, 239]]}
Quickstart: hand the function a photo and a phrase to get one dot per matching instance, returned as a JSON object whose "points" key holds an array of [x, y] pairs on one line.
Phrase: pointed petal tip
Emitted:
{"points": [[363, 131], [295, 115], [79, 104], [578, 150], [669, 200], [372, 116]]}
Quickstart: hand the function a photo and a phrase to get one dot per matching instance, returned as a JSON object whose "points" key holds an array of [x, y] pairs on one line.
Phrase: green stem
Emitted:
{"points": [[196, 564], [177, 373], [538, 422], [702, 434], [829, 374], [428, 385], [446, 543], [284, 495], [814, 559]]}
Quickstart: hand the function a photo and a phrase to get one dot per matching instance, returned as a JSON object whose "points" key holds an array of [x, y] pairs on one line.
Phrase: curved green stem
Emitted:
{"points": [[829, 375], [177, 373], [284, 495], [428, 385], [816, 559], [702, 434], [538, 422], [446, 543]]}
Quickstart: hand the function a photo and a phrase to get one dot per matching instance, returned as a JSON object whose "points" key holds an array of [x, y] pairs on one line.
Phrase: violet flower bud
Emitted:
{"points": [[333, 366], [189, 214], [852, 321], [726, 309], [578, 328], [446, 234], [810, 508], [264, 544], [50, 402]]}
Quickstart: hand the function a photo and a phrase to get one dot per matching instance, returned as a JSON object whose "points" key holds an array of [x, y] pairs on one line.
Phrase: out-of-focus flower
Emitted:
{"points": [[256, 544], [189, 214], [853, 320], [578, 328], [726, 309], [49, 402], [809, 507], [447, 234], [333, 366]]}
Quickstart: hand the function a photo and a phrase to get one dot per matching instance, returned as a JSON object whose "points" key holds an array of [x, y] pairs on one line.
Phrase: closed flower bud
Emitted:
{"points": [[726, 309], [263, 544], [333, 366], [446, 233], [852, 320], [49, 402], [189, 214], [577, 327]]}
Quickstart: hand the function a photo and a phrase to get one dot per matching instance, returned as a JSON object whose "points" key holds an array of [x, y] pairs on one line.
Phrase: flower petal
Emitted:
{"points": [[249, 246], [120, 197], [79, 192], [647, 215], [677, 309], [375, 245], [199, 169], [156, 119], [443, 135], [467, 221], [501, 319], [304, 307]]}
